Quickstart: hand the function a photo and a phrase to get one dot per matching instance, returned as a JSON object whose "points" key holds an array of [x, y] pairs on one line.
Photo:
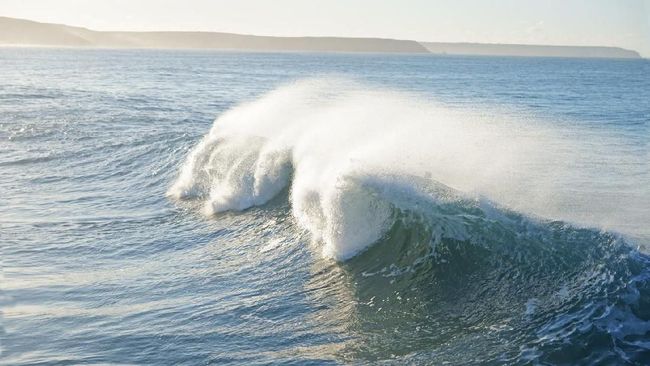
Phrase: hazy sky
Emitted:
{"points": [[623, 23]]}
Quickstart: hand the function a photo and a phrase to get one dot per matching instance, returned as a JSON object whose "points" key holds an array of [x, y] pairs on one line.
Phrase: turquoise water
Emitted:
{"points": [[341, 209]]}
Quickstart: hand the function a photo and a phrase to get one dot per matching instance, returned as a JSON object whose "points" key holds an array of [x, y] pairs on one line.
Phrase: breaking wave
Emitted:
{"points": [[351, 155], [447, 205]]}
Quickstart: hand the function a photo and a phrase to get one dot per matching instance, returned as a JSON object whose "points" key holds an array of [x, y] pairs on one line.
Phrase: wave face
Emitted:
{"points": [[535, 292]]}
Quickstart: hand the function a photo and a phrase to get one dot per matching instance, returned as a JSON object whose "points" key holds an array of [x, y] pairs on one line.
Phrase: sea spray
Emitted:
{"points": [[327, 140]]}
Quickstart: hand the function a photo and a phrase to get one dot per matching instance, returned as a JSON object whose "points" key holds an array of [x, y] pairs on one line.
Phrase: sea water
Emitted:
{"points": [[178, 207]]}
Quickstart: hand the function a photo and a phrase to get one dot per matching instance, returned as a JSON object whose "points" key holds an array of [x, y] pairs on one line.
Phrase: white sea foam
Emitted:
{"points": [[350, 154]]}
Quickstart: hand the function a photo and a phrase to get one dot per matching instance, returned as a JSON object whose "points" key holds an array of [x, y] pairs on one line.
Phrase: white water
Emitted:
{"points": [[330, 140]]}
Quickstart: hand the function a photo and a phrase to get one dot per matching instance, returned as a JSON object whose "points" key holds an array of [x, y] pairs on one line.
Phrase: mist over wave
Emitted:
{"points": [[351, 155]]}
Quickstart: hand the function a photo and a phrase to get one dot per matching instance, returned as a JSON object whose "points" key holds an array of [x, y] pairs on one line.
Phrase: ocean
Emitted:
{"points": [[202, 207]]}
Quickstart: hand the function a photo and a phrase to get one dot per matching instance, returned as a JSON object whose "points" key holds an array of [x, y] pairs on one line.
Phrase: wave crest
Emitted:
{"points": [[351, 156]]}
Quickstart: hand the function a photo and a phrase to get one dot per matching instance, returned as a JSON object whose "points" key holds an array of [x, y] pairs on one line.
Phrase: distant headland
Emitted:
{"points": [[20, 32]]}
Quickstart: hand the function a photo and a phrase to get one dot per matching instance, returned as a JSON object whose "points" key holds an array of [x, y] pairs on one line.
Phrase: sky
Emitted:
{"points": [[622, 23]]}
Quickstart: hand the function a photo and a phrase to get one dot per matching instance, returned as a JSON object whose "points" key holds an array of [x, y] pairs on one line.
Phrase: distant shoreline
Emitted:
{"points": [[253, 51], [26, 33]]}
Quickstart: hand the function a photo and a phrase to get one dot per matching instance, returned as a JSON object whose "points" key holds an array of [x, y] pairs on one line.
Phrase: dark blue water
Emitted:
{"points": [[101, 266]]}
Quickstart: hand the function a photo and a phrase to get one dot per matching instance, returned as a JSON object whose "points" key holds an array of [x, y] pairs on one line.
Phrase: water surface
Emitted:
{"points": [[101, 264]]}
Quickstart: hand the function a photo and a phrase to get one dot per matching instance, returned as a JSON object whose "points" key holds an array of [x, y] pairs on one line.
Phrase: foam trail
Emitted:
{"points": [[351, 154]]}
